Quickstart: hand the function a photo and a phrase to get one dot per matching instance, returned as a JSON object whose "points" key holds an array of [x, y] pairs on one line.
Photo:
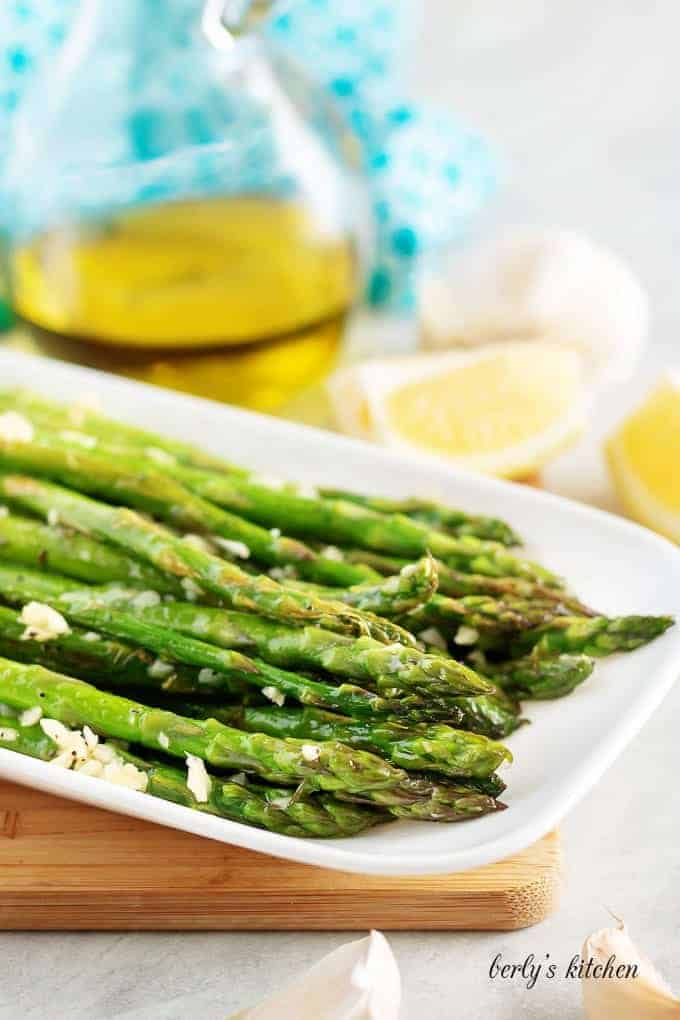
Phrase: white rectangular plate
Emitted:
{"points": [[611, 563]]}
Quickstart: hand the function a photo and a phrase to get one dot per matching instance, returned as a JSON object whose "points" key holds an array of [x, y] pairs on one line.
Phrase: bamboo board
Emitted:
{"points": [[67, 866]]}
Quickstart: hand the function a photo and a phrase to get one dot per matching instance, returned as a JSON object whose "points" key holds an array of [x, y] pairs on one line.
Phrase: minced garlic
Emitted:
{"points": [[81, 751], [466, 636], [198, 780], [31, 716], [42, 623], [433, 636], [238, 549], [15, 428]]}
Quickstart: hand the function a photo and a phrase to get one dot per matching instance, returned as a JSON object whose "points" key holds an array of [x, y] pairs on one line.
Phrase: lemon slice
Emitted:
{"points": [[644, 458], [503, 410]]}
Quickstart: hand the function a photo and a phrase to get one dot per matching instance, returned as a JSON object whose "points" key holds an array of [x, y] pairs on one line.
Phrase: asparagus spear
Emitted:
{"points": [[492, 715], [167, 494], [46, 547], [264, 807], [387, 667], [346, 523], [598, 636], [130, 478], [116, 473], [142, 617], [28, 542], [435, 514], [410, 596], [420, 747], [181, 559], [309, 648], [321, 815], [418, 798], [492, 786], [412, 587], [398, 598], [457, 584], [538, 678], [331, 767], [53, 416], [31, 543], [90, 655], [116, 664], [480, 613], [330, 520], [215, 663], [424, 797]]}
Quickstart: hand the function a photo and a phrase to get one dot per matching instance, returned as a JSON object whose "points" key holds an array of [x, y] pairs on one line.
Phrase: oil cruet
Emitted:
{"points": [[185, 206]]}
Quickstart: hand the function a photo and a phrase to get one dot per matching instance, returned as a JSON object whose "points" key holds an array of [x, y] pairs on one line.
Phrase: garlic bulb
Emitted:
{"points": [[551, 285], [358, 981], [635, 994]]}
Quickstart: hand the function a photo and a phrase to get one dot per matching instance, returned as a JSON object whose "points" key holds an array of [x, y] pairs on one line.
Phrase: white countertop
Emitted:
{"points": [[580, 97]]}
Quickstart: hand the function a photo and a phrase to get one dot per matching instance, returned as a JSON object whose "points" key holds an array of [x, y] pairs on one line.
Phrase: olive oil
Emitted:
{"points": [[239, 299]]}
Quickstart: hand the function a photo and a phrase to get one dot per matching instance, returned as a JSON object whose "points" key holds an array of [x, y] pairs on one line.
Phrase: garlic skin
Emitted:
{"points": [[644, 997], [551, 285]]}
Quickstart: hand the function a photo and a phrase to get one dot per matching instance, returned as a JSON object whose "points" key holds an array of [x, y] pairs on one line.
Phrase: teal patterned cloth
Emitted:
{"points": [[428, 175]]}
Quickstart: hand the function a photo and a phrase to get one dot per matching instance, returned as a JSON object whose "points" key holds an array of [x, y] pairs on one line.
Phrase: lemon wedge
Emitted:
{"points": [[644, 459], [504, 410]]}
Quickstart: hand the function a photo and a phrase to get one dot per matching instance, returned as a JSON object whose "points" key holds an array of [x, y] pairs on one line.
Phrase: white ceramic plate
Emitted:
{"points": [[613, 564]]}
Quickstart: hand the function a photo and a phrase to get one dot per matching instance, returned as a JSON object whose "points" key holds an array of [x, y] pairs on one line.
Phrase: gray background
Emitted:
{"points": [[580, 96]]}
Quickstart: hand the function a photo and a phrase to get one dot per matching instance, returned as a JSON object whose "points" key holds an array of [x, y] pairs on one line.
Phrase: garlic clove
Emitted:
{"points": [[642, 995], [358, 981], [551, 285]]}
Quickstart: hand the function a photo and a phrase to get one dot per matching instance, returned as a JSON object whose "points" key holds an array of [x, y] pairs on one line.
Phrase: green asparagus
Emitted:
{"points": [[492, 715], [331, 520], [457, 584], [435, 514], [477, 612], [269, 808], [421, 748], [47, 547], [419, 798], [181, 559], [215, 663], [374, 596], [358, 776], [389, 667], [90, 655], [410, 597], [414, 586], [55, 417], [331, 766], [129, 477], [597, 636], [538, 678], [348, 523]]}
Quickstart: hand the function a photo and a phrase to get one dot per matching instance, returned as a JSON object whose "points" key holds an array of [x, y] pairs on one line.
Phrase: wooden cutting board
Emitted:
{"points": [[64, 865]]}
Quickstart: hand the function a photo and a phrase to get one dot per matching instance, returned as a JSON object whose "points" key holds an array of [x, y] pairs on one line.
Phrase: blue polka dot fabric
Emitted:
{"points": [[428, 175]]}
